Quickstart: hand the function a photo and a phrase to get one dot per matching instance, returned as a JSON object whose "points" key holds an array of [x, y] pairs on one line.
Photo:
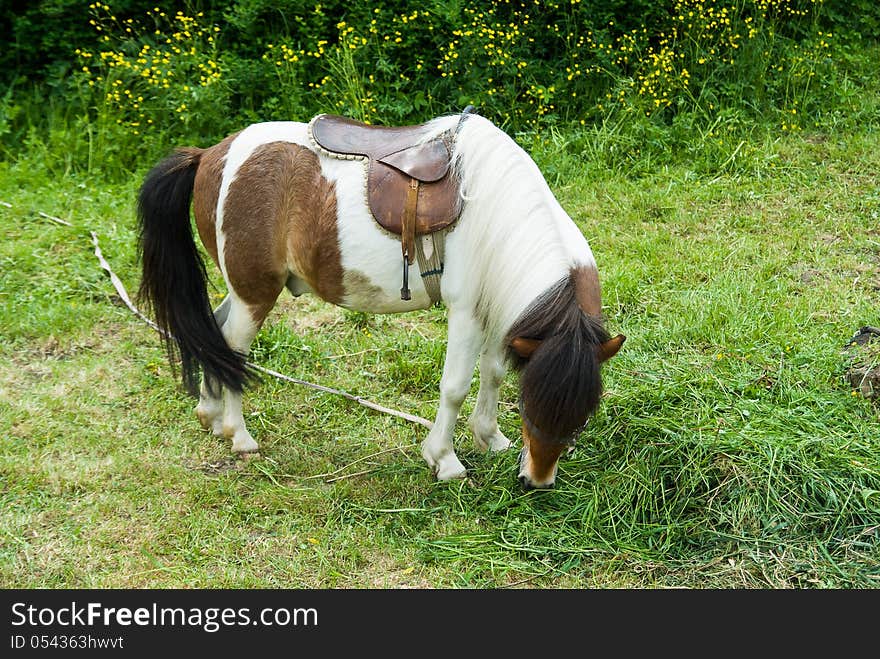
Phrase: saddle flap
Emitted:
{"points": [[439, 203], [426, 162]]}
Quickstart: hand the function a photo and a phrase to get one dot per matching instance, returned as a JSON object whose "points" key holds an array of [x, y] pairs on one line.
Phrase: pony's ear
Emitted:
{"points": [[524, 347], [607, 350]]}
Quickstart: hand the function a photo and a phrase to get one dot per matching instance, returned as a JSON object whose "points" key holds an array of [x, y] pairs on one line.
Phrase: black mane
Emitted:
{"points": [[560, 383]]}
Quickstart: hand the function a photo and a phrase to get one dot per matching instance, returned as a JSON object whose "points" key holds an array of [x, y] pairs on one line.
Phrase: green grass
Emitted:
{"points": [[729, 452]]}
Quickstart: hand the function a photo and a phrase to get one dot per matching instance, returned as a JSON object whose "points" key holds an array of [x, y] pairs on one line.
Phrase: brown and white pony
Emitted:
{"points": [[273, 211]]}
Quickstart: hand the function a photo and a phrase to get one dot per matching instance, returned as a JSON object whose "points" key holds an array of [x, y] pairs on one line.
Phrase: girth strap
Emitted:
{"points": [[431, 265]]}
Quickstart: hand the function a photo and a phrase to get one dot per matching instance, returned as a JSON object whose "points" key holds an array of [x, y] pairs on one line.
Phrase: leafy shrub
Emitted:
{"points": [[193, 75]]}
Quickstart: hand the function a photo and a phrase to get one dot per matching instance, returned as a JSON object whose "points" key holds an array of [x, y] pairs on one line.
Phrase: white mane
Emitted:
{"points": [[515, 239]]}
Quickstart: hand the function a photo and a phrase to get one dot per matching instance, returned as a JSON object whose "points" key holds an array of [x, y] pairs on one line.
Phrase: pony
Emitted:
{"points": [[274, 211]]}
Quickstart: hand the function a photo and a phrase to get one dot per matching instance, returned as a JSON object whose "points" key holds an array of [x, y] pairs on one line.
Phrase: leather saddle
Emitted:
{"points": [[411, 187]]}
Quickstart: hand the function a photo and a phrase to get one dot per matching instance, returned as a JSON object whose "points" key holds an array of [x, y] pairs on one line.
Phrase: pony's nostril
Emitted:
{"points": [[528, 485]]}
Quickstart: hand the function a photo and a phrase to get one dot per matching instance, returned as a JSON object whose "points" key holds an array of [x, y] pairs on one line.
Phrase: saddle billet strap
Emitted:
{"points": [[431, 267], [408, 234]]}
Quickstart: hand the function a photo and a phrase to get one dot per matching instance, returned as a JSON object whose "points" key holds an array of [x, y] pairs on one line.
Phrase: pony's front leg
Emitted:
{"points": [[484, 419], [462, 346]]}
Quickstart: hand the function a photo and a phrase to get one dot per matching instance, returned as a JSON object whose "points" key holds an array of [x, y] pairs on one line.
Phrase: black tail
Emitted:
{"points": [[174, 280]]}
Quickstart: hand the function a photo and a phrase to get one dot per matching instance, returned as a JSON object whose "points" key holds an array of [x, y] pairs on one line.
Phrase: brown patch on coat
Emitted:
{"points": [[206, 191], [280, 217], [587, 290], [357, 283], [313, 235]]}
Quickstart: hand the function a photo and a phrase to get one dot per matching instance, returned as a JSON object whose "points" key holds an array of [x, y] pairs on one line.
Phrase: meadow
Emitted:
{"points": [[739, 252]]}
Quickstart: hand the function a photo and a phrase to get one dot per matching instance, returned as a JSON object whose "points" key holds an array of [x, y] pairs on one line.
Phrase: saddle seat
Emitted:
{"points": [[405, 174]]}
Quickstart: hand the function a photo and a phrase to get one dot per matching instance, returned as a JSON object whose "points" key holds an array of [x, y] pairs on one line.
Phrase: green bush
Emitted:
{"points": [[134, 69]]}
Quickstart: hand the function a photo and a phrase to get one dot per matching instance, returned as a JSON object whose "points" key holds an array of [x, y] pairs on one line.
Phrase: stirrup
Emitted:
{"points": [[404, 292]]}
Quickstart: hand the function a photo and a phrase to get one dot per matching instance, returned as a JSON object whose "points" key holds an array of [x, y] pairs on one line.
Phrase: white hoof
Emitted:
{"points": [[242, 442], [445, 466], [494, 443], [449, 469]]}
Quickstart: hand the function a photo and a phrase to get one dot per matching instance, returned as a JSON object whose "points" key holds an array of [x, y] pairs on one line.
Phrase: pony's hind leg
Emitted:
{"points": [[242, 324], [484, 419], [210, 407], [461, 353]]}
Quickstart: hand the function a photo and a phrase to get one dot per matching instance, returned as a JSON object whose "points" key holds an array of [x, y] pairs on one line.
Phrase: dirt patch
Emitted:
{"points": [[306, 313], [218, 466], [101, 338], [863, 373], [386, 572]]}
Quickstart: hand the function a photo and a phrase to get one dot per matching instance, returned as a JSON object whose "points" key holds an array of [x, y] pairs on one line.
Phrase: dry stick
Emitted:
{"points": [[54, 219], [357, 473], [345, 394], [531, 578], [42, 214], [353, 354], [120, 289], [331, 476]]}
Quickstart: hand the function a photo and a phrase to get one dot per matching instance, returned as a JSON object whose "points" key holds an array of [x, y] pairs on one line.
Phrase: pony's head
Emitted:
{"points": [[558, 345]]}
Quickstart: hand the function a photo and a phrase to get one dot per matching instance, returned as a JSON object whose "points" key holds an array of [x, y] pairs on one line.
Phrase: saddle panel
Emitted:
{"points": [[395, 157]]}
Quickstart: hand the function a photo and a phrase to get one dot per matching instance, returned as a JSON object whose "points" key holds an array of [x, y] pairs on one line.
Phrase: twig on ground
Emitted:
{"points": [[54, 219], [344, 476], [42, 214]]}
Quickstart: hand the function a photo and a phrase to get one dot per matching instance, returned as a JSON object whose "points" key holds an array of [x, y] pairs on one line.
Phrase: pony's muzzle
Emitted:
{"points": [[525, 479]]}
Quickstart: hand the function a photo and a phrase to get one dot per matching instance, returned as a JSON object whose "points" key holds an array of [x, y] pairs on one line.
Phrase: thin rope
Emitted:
{"points": [[123, 294]]}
